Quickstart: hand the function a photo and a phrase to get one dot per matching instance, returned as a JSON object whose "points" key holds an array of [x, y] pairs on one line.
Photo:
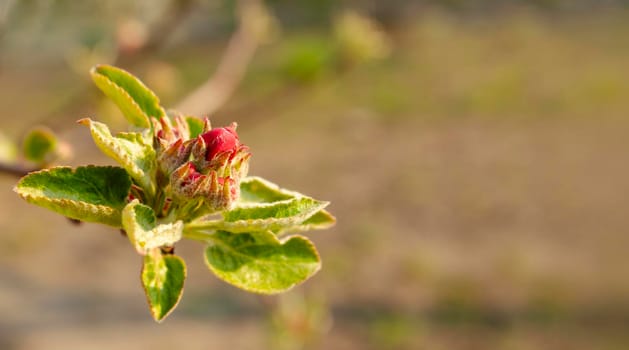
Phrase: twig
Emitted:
{"points": [[5, 9], [166, 25], [15, 169], [160, 31], [212, 94], [158, 34]]}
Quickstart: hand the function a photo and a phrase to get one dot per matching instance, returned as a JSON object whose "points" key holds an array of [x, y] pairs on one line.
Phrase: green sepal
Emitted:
{"points": [[130, 150], [136, 101], [259, 262], [90, 193], [163, 278], [140, 223], [39, 145]]}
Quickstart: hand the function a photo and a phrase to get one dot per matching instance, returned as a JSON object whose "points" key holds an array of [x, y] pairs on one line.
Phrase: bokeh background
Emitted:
{"points": [[475, 154]]}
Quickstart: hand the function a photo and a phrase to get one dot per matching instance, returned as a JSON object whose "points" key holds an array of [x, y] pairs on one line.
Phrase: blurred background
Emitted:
{"points": [[474, 153]]}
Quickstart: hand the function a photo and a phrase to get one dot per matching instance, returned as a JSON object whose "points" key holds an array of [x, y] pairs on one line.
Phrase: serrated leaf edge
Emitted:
{"points": [[302, 227], [130, 224], [94, 70], [96, 210], [283, 241], [148, 300], [118, 154], [106, 80], [264, 224], [273, 186]]}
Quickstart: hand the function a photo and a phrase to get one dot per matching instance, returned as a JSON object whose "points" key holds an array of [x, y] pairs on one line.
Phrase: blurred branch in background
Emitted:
{"points": [[255, 27], [307, 63], [132, 46], [18, 170], [162, 29], [39, 149], [5, 9]]}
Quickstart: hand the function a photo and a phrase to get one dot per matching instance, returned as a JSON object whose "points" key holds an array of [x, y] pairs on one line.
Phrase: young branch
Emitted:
{"points": [[160, 31], [166, 25], [15, 169], [212, 94]]}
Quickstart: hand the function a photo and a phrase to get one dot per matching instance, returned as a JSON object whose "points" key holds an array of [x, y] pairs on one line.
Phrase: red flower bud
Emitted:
{"points": [[220, 140], [204, 172]]}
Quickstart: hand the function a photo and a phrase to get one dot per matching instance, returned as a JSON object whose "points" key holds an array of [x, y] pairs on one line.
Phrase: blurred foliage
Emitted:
{"points": [[360, 38], [8, 149], [306, 59], [299, 321], [394, 332], [39, 145], [518, 66]]}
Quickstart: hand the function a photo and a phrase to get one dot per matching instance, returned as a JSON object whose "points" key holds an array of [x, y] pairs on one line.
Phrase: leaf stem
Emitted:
{"points": [[15, 169]]}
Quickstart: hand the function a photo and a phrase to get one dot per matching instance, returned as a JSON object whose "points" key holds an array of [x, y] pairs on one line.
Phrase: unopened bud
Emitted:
{"points": [[220, 140]]}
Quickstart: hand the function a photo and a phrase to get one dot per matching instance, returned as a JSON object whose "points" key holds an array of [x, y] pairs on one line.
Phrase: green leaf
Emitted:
{"points": [[319, 221], [195, 125], [258, 190], [140, 223], [255, 189], [136, 101], [264, 216], [269, 216], [39, 145], [129, 150], [163, 277], [91, 193], [8, 149], [259, 262]]}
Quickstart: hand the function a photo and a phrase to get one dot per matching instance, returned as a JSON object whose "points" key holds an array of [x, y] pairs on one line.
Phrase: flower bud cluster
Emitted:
{"points": [[203, 172]]}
